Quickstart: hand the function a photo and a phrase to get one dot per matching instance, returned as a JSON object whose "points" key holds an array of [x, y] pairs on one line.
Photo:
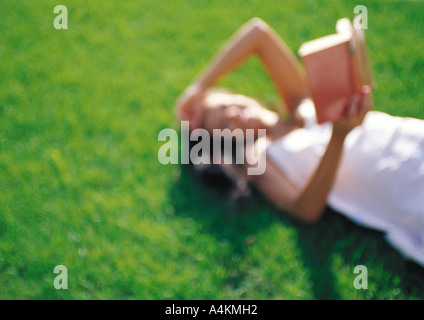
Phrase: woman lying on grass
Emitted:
{"points": [[369, 166]]}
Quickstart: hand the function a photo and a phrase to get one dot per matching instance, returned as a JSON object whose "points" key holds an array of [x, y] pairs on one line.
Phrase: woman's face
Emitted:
{"points": [[232, 111]]}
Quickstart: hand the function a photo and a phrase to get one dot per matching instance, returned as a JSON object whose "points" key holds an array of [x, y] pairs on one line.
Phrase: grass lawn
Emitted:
{"points": [[81, 185]]}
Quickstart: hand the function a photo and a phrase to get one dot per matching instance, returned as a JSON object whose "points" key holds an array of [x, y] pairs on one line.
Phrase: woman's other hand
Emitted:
{"points": [[358, 107], [188, 106]]}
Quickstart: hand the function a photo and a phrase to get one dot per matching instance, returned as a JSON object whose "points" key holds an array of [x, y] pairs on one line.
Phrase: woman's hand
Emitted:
{"points": [[188, 106], [359, 105]]}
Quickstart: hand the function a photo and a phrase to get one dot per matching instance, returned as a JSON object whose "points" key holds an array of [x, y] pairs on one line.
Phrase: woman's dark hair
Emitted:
{"points": [[228, 184]]}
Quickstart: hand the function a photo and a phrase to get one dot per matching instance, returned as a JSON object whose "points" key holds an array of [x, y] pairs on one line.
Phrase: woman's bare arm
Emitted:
{"points": [[308, 202], [257, 37], [254, 37]]}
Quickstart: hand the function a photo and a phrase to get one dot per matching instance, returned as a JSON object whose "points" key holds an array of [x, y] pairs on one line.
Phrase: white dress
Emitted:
{"points": [[380, 180]]}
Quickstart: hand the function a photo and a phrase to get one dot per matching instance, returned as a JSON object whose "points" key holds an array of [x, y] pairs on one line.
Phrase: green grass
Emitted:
{"points": [[81, 185]]}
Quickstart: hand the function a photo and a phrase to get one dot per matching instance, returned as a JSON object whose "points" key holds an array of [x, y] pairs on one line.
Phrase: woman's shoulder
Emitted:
{"points": [[306, 110]]}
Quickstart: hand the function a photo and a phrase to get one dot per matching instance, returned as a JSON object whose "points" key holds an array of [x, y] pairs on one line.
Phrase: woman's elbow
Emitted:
{"points": [[311, 216], [258, 23], [257, 27], [306, 215]]}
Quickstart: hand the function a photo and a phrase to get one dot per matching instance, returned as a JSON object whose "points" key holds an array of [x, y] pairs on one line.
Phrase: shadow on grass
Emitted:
{"points": [[334, 235], [218, 217]]}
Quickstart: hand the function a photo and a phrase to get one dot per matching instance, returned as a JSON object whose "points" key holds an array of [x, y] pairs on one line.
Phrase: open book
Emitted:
{"points": [[337, 66]]}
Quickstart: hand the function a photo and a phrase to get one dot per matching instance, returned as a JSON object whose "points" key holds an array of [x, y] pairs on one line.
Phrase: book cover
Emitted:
{"points": [[337, 66]]}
